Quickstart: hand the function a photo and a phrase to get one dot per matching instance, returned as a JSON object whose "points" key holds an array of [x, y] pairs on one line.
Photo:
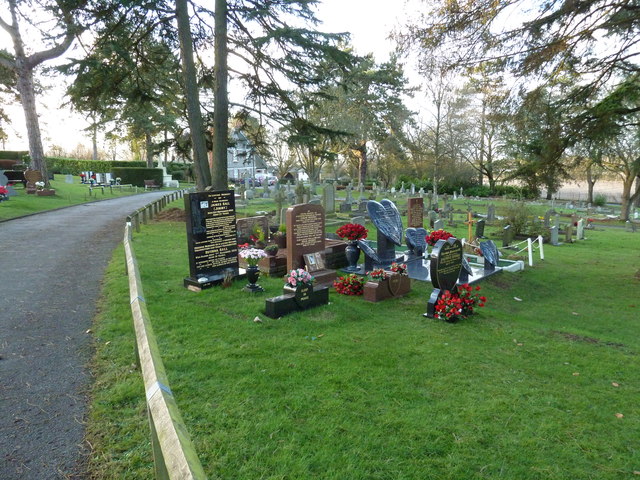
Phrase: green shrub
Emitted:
{"points": [[137, 176], [517, 215], [600, 200], [478, 191], [13, 155]]}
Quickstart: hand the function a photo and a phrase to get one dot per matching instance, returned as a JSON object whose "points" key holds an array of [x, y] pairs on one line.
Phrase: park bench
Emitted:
{"points": [[150, 184], [15, 176]]}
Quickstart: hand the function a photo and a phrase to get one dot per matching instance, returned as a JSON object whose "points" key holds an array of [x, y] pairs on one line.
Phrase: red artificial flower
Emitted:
{"points": [[436, 235], [352, 231]]}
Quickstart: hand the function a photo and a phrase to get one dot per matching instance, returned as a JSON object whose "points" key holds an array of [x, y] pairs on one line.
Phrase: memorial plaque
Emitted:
{"points": [[305, 233], [211, 236], [246, 227], [415, 213], [387, 220], [303, 296], [446, 262]]}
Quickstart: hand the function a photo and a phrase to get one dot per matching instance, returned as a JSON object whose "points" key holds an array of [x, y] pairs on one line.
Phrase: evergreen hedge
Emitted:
{"points": [[137, 176], [13, 155], [75, 166]]}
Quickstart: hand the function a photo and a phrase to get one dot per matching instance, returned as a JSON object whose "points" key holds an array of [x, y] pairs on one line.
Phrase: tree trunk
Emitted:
{"points": [[28, 100], [625, 202], [637, 194], [590, 184], [361, 153], [196, 125], [220, 99], [94, 141], [149, 149]]}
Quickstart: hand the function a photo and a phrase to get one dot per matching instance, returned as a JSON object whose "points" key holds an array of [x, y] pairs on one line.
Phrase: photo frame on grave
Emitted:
{"points": [[311, 262]]}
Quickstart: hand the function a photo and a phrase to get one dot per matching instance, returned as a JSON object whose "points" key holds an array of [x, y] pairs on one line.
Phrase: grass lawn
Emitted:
{"points": [[544, 387], [66, 194]]}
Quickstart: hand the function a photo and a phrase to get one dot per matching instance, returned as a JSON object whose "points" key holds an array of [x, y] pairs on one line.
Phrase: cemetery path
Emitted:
{"points": [[52, 266]]}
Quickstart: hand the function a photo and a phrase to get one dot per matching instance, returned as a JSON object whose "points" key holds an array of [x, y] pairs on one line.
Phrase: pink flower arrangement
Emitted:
{"points": [[252, 255], [299, 276]]}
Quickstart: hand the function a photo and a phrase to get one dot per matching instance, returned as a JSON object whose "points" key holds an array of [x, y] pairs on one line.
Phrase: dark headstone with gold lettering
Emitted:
{"points": [[445, 265], [211, 238]]}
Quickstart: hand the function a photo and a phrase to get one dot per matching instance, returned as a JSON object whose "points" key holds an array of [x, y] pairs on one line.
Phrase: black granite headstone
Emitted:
{"points": [[445, 266], [480, 228], [211, 237]]}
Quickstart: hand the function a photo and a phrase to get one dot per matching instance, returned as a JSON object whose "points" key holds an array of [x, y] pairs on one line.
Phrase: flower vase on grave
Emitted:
{"points": [[253, 273], [352, 252]]}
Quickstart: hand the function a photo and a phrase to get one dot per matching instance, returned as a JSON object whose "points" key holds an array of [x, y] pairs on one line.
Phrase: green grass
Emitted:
{"points": [[66, 194], [356, 390]]}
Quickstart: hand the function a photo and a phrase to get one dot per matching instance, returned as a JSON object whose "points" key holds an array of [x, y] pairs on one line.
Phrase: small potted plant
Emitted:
{"points": [[280, 237], [271, 250]]}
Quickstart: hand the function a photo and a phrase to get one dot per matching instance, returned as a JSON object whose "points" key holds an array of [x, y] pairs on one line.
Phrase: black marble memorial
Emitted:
{"points": [[387, 220], [491, 255], [480, 228], [445, 266], [416, 239], [371, 258], [302, 299], [211, 238]]}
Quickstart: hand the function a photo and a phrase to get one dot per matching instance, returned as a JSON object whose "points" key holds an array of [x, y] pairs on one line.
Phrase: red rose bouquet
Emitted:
{"points": [[350, 285], [352, 231], [436, 235]]}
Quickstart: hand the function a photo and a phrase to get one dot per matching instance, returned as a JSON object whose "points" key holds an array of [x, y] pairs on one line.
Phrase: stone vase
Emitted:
{"points": [[352, 252], [253, 273]]}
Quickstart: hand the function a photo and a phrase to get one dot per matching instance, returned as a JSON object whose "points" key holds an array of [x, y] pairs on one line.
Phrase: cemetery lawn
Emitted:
{"points": [[66, 194], [541, 384]]}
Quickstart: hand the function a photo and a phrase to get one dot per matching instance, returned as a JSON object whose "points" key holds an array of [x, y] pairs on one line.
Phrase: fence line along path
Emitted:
{"points": [[52, 265]]}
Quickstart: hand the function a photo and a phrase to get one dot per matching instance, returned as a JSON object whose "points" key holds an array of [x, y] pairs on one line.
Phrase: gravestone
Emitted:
{"points": [[415, 213], [416, 241], [480, 228], [329, 199], [245, 227], [305, 233], [438, 224], [465, 271], [433, 216], [32, 176], [547, 218], [445, 265], [568, 233], [580, 229], [556, 220], [4, 181], [413, 189], [554, 236], [387, 220], [279, 198], [491, 213], [360, 220], [506, 236], [211, 238], [490, 254], [310, 297], [300, 191]]}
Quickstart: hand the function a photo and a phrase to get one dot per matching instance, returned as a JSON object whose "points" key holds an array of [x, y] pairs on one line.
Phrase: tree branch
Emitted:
{"points": [[39, 57]]}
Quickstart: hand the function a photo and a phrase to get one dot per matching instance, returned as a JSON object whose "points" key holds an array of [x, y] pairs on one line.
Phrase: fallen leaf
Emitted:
{"points": [[321, 335], [520, 344], [575, 313], [615, 384], [88, 331], [517, 299], [619, 415], [257, 320], [107, 343], [575, 374], [636, 472]]}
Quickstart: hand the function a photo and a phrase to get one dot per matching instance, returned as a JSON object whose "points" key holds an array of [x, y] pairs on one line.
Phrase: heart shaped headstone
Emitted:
{"points": [[446, 263], [490, 252], [386, 218], [416, 240]]}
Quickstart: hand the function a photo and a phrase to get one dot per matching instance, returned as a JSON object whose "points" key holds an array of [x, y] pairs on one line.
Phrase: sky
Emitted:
{"points": [[369, 22]]}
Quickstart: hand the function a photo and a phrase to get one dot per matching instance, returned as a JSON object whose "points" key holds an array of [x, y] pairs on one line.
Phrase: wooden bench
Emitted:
{"points": [[150, 184], [15, 176]]}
